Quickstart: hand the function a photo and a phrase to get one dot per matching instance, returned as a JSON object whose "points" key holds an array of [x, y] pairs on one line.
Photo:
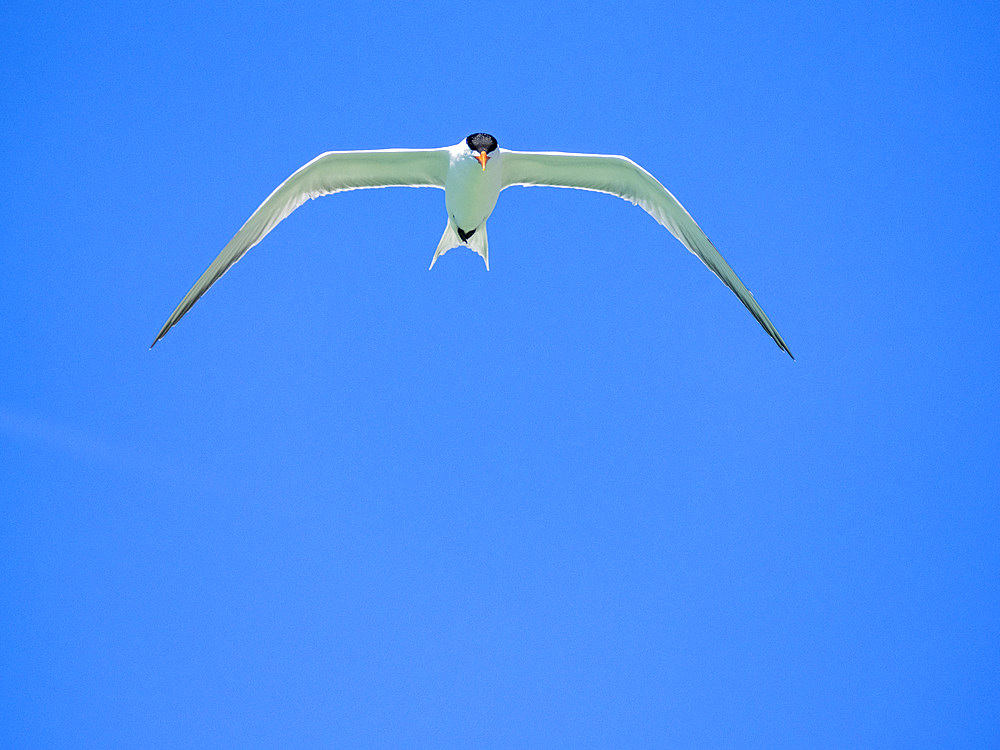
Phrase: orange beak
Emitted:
{"points": [[482, 159]]}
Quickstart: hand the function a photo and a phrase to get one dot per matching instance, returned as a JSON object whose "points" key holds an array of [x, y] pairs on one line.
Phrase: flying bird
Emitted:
{"points": [[472, 174]]}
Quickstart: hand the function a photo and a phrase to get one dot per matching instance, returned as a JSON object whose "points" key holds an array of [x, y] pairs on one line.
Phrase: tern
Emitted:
{"points": [[472, 173]]}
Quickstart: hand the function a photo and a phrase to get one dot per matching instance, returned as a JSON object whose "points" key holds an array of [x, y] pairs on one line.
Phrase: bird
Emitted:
{"points": [[472, 174]]}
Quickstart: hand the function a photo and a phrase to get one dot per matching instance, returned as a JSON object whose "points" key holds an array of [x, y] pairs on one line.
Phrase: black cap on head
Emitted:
{"points": [[481, 142]]}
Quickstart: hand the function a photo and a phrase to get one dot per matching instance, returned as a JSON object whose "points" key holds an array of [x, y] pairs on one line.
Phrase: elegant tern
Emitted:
{"points": [[472, 174]]}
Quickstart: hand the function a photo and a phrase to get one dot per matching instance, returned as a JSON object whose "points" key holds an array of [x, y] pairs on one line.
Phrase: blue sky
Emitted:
{"points": [[580, 500]]}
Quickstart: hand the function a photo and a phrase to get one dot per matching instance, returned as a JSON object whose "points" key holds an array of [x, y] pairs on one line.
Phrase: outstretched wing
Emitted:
{"points": [[332, 172], [619, 176]]}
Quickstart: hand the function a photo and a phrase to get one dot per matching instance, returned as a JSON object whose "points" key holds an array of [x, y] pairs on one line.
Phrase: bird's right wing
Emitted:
{"points": [[617, 175], [332, 172]]}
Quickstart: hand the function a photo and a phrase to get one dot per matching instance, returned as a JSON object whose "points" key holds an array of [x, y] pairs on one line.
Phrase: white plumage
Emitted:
{"points": [[472, 174]]}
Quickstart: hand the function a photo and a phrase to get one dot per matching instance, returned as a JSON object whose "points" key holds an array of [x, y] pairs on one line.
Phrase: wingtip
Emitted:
{"points": [[160, 335], [784, 347]]}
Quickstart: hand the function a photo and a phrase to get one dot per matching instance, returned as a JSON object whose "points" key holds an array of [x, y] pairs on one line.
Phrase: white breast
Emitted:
{"points": [[470, 193]]}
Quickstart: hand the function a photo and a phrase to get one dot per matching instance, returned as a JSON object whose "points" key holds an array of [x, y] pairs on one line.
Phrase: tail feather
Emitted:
{"points": [[477, 242], [449, 240]]}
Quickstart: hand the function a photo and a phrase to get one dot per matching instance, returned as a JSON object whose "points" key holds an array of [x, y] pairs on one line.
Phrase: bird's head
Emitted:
{"points": [[481, 145]]}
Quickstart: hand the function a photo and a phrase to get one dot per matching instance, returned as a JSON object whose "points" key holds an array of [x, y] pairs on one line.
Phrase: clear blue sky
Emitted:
{"points": [[580, 500]]}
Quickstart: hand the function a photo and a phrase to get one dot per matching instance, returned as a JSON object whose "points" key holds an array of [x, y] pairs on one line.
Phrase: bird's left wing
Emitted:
{"points": [[619, 176], [332, 172]]}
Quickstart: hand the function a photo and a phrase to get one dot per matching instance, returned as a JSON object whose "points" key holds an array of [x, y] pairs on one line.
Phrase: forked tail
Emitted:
{"points": [[476, 242]]}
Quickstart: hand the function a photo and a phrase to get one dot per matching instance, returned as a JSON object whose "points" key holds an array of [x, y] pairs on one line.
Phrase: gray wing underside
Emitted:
{"points": [[332, 172], [622, 177]]}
